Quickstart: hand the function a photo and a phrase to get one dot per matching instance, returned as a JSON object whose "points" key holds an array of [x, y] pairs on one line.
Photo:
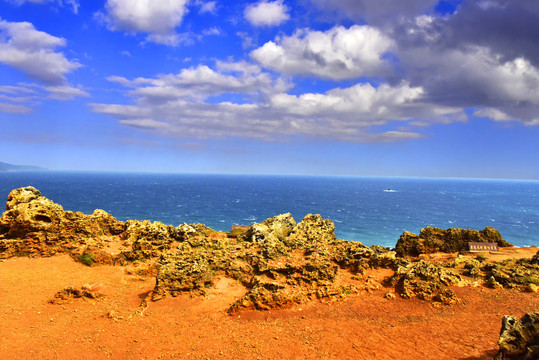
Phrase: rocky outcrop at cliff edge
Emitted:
{"points": [[519, 340], [521, 274], [34, 225], [432, 240], [279, 262], [426, 281]]}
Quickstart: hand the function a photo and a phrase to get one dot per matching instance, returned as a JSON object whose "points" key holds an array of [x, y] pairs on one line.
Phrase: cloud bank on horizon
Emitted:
{"points": [[366, 71]]}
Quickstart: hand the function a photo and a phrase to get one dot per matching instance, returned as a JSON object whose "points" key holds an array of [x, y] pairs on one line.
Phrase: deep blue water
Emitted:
{"points": [[361, 208]]}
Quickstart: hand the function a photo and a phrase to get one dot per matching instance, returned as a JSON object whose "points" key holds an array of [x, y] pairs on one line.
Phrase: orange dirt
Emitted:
{"points": [[365, 326]]}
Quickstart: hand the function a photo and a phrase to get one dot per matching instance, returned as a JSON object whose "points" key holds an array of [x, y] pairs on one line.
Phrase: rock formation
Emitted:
{"points": [[278, 261], [522, 274], [432, 240], [34, 225], [519, 340]]}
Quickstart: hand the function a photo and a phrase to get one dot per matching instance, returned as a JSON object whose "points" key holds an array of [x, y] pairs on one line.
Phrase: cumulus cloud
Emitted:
{"points": [[34, 52], [158, 19], [476, 65], [202, 82], [337, 54], [194, 103], [376, 11], [507, 27], [267, 13], [73, 3]]}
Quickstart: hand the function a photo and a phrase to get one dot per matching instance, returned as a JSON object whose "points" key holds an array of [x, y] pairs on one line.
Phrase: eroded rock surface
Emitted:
{"points": [[519, 340], [278, 261], [432, 240], [426, 281], [34, 225]]}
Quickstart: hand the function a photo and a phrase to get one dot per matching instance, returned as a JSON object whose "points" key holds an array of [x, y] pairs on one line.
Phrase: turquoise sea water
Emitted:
{"points": [[370, 210]]}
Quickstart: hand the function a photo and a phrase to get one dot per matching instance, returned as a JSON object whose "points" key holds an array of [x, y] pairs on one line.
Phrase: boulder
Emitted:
{"points": [[519, 340], [34, 225], [426, 281], [149, 239], [311, 232], [187, 274], [432, 240]]}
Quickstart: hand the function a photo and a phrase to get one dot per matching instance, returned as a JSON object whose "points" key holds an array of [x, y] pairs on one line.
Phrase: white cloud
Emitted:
{"points": [[74, 3], [266, 13], [24, 97], [158, 19], [207, 7], [14, 109], [493, 114], [186, 105], [65, 92], [338, 53], [474, 76], [211, 31], [201, 82], [33, 52]]}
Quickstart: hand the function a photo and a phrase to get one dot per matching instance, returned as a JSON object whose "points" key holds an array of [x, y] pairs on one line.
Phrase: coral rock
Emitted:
{"points": [[431, 240], [519, 340]]}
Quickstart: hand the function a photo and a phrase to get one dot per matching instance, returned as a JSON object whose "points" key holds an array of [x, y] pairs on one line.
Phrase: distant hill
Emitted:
{"points": [[10, 168]]}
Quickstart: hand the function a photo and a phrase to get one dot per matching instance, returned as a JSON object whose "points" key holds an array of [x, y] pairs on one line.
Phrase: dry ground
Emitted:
{"points": [[365, 326]]}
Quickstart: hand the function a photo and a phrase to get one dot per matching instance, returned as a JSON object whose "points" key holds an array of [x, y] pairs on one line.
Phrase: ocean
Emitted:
{"points": [[370, 210]]}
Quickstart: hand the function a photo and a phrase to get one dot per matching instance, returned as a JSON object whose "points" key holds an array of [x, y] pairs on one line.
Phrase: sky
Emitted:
{"points": [[421, 88]]}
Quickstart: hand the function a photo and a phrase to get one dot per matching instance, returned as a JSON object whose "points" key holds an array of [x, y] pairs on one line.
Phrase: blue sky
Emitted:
{"points": [[330, 87]]}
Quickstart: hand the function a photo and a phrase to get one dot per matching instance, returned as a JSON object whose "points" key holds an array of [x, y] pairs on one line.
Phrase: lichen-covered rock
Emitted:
{"points": [[516, 274], [149, 239], [311, 233], [519, 340], [279, 261], [426, 281], [431, 240], [535, 259], [188, 274], [266, 295], [34, 225], [513, 274]]}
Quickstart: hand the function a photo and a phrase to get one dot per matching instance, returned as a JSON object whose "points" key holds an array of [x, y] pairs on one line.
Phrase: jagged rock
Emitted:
{"points": [[279, 226], [535, 259], [512, 273], [34, 225], [311, 233], [279, 261], [266, 295], [431, 240], [188, 274], [426, 281], [149, 239], [275, 273], [70, 293], [519, 340], [270, 234]]}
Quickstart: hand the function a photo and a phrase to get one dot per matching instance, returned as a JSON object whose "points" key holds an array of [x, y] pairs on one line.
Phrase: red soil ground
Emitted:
{"points": [[365, 326]]}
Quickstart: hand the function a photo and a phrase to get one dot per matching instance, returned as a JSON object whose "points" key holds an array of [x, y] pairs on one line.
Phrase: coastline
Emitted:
{"points": [[275, 289], [360, 208]]}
